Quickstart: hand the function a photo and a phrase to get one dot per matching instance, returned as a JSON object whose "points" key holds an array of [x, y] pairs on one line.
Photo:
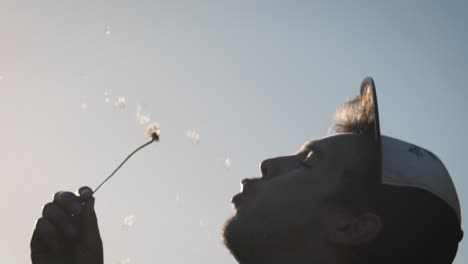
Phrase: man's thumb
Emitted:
{"points": [[89, 227]]}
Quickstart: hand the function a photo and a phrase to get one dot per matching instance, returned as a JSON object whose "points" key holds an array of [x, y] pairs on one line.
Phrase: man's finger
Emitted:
{"points": [[90, 224], [60, 219], [85, 192], [90, 230], [44, 238], [69, 202]]}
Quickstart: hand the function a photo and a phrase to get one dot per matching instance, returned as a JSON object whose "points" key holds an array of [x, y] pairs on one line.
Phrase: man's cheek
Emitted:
{"points": [[275, 204]]}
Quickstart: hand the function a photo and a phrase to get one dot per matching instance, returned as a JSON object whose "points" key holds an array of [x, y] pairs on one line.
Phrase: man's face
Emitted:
{"points": [[286, 208]]}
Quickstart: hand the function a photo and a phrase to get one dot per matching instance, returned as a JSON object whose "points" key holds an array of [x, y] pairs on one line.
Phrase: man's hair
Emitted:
{"points": [[417, 226]]}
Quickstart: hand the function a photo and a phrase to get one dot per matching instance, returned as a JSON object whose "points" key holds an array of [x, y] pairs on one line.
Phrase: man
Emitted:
{"points": [[351, 197]]}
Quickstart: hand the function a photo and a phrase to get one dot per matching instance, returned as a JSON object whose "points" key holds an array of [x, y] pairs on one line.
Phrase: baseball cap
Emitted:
{"points": [[406, 165]]}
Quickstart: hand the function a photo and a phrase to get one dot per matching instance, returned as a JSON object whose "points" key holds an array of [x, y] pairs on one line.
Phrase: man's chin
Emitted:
{"points": [[228, 231], [231, 236]]}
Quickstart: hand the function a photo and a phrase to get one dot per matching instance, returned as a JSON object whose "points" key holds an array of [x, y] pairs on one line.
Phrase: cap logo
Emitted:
{"points": [[416, 151], [419, 152]]}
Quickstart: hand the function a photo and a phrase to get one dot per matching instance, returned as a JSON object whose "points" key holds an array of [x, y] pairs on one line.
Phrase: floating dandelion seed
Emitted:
{"points": [[129, 221], [178, 199], [124, 261], [227, 163], [142, 119], [106, 99], [193, 136], [120, 102], [138, 109], [153, 130], [84, 106], [201, 222], [108, 30]]}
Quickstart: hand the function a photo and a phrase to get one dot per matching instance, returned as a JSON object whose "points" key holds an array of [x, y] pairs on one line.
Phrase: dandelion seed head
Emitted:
{"points": [[153, 131], [107, 100], [120, 102], [84, 106], [193, 136], [129, 221]]}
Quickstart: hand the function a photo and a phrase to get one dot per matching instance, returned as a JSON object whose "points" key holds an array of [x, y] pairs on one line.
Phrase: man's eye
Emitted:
{"points": [[305, 162]]}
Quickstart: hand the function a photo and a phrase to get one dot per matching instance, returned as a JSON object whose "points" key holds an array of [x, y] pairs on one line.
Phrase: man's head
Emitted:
{"points": [[291, 209], [326, 203]]}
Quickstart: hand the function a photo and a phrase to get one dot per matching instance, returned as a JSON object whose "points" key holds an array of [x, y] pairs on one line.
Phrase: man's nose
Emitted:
{"points": [[276, 166], [268, 168]]}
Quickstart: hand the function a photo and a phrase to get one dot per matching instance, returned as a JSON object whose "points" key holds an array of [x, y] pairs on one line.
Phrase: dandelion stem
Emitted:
{"points": [[123, 162]]}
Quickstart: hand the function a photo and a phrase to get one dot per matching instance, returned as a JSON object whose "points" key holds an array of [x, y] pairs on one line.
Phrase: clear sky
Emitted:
{"points": [[255, 78]]}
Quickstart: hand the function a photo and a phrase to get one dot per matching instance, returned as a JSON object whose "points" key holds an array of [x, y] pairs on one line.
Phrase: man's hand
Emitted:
{"points": [[67, 232]]}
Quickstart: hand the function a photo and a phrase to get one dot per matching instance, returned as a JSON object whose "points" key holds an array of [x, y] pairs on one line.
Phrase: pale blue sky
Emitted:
{"points": [[256, 78]]}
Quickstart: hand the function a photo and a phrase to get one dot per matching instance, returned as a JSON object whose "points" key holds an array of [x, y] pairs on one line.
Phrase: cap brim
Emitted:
{"points": [[368, 88]]}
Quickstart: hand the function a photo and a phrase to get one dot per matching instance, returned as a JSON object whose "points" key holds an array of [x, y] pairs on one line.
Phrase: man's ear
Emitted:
{"points": [[354, 231]]}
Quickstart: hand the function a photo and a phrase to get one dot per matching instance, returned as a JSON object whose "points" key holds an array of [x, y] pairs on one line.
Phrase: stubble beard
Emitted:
{"points": [[247, 239], [240, 239]]}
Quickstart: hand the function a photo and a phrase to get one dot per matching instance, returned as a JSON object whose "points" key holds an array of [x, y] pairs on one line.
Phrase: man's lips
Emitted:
{"points": [[245, 186], [236, 199]]}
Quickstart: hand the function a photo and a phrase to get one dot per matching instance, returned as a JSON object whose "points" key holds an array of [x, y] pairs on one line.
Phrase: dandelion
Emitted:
{"points": [[84, 106], [108, 30], [227, 163], [153, 131], [120, 102], [193, 136], [129, 221]]}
